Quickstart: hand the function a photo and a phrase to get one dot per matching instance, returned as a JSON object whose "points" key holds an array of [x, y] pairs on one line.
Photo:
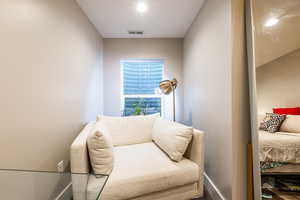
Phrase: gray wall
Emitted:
{"points": [[216, 93], [170, 50], [50, 58], [278, 83]]}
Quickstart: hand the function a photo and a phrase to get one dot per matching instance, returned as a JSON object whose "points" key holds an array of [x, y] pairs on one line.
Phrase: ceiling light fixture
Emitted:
{"points": [[141, 7], [271, 22]]}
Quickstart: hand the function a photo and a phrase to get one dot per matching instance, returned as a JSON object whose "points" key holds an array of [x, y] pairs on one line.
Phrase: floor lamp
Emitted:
{"points": [[166, 87]]}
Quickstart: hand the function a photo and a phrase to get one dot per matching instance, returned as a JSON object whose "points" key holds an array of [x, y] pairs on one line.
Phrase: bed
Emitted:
{"points": [[279, 147]]}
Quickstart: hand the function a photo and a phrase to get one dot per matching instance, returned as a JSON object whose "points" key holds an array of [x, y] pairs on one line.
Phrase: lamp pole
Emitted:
{"points": [[174, 109]]}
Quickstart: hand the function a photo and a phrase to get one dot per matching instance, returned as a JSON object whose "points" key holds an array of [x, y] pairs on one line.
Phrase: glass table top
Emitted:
{"points": [[46, 185]]}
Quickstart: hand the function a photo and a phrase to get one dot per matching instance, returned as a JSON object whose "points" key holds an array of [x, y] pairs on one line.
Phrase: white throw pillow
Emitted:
{"points": [[291, 124], [173, 138], [100, 148], [129, 130]]}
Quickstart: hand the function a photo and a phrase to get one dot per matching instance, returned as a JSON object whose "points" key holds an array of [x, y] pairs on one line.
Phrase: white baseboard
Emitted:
{"points": [[212, 189]]}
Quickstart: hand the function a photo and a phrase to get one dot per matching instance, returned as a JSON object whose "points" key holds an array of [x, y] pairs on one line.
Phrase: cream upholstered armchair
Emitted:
{"points": [[151, 161]]}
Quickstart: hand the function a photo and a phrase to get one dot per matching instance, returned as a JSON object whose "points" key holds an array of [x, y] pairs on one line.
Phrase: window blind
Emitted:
{"points": [[141, 77], [140, 81]]}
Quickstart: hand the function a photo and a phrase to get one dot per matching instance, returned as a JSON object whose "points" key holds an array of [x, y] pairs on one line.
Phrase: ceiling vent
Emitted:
{"points": [[135, 32]]}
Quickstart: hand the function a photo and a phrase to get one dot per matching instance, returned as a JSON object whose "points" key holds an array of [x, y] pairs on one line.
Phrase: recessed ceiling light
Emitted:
{"points": [[271, 22], [141, 7]]}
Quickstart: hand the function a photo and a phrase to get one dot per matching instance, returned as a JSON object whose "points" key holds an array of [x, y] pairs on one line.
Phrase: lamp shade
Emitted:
{"points": [[168, 86]]}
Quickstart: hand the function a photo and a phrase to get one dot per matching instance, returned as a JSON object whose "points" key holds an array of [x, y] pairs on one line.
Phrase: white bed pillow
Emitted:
{"points": [[129, 130], [173, 138], [291, 124], [100, 148]]}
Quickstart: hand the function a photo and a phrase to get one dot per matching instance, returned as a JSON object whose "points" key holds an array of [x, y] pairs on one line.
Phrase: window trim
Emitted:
{"points": [[123, 96]]}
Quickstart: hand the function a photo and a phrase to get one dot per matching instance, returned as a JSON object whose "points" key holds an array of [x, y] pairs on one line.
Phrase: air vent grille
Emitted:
{"points": [[136, 32]]}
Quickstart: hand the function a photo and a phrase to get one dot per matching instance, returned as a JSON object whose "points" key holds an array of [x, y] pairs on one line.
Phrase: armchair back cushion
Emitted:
{"points": [[100, 149], [173, 138], [129, 130]]}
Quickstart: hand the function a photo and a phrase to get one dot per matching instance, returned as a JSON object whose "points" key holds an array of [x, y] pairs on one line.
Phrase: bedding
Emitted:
{"points": [[270, 165], [272, 122], [287, 111], [291, 124], [279, 147]]}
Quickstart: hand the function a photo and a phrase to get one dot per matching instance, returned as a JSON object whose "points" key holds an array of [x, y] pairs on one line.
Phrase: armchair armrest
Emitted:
{"points": [[195, 152], [80, 164], [79, 152]]}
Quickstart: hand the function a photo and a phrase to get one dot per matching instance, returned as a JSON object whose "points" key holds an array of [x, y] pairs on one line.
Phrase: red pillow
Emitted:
{"points": [[287, 111]]}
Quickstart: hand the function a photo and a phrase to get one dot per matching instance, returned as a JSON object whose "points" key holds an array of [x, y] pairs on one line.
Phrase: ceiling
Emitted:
{"points": [[280, 39], [164, 18]]}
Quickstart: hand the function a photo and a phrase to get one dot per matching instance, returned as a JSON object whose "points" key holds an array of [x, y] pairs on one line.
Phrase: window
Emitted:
{"points": [[140, 81]]}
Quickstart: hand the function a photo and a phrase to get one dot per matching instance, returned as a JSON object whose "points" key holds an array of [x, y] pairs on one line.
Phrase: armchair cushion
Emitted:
{"points": [[173, 138], [143, 169], [100, 149], [129, 130]]}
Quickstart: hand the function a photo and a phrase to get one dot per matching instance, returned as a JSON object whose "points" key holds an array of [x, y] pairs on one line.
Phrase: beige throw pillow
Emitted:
{"points": [[173, 138], [100, 148], [291, 124]]}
